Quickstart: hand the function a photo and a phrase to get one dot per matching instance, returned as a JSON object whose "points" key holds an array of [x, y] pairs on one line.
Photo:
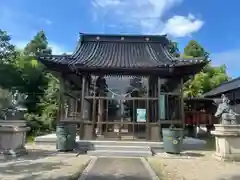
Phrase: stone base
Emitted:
{"points": [[14, 153], [226, 157], [227, 142], [16, 123], [12, 140]]}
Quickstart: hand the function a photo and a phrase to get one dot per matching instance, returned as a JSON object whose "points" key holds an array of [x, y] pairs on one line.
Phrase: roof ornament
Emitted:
{"points": [[122, 38], [147, 39], [98, 38]]}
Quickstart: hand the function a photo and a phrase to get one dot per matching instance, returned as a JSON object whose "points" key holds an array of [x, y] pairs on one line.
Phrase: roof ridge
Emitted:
{"points": [[227, 82], [127, 35], [211, 92], [162, 39]]}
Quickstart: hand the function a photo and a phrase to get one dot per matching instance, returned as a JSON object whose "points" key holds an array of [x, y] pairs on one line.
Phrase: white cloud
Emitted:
{"points": [[46, 21], [148, 15], [56, 48], [104, 3], [179, 26], [230, 58]]}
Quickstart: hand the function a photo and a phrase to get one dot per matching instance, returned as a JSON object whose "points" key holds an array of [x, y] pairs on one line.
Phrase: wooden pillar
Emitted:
{"points": [[159, 93], [61, 111], [82, 125], [86, 112], [148, 111], [76, 105], [100, 112], [82, 97], [94, 110], [182, 104]]}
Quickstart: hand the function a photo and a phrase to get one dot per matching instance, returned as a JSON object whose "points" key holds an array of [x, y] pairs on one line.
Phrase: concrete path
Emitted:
{"points": [[43, 163], [111, 168]]}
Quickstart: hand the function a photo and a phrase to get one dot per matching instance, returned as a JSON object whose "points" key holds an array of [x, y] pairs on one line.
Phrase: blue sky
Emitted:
{"points": [[213, 23]]}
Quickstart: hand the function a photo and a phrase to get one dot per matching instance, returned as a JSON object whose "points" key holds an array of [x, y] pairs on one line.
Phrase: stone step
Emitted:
{"points": [[143, 144], [119, 148], [122, 153]]}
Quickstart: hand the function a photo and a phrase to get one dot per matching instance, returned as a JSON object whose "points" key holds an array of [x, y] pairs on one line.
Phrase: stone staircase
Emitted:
{"points": [[123, 147], [118, 148]]}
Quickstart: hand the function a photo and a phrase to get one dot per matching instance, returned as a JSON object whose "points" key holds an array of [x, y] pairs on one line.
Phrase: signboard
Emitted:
{"points": [[141, 115], [162, 111]]}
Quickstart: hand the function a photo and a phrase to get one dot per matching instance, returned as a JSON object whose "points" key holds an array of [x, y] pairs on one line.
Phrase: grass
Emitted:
{"points": [[160, 169], [30, 139]]}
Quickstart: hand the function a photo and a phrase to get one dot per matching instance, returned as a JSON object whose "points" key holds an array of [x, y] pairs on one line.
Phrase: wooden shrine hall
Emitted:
{"points": [[125, 87]]}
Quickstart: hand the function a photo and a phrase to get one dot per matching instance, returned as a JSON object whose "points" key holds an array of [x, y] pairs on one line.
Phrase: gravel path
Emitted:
{"points": [[194, 166], [118, 169], [43, 163]]}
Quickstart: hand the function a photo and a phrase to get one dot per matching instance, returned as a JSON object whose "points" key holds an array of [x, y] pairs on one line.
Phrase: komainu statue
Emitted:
{"points": [[225, 112]]}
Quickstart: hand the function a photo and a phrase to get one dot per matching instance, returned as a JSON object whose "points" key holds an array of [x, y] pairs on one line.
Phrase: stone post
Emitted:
{"points": [[227, 139], [227, 134], [13, 138]]}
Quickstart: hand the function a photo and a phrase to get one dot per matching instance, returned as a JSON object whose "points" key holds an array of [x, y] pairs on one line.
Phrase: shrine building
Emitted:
{"points": [[122, 86]]}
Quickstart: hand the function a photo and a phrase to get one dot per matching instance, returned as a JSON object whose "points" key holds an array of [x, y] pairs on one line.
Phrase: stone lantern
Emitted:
{"points": [[13, 128]]}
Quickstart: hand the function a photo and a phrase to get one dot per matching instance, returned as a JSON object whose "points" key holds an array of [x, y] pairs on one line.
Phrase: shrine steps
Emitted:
{"points": [[118, 148], [115, 147]]}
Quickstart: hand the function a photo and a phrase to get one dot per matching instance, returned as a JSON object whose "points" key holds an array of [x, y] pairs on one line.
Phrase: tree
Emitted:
{"points": [[41, 86], [32, 72], [26, 75], [194, 49], [7, 50], [38, 45], [208, 78], [49, 102], [173, 49]]}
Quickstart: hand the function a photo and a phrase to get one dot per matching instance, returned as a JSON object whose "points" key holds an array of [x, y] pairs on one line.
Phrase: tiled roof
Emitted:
{"points": [[224, 87], [125, 55], [115, 51]]}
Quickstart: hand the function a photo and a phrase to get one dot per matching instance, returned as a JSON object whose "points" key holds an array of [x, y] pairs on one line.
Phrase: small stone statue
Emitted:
{"points": [[13, 109], [224, 110]]}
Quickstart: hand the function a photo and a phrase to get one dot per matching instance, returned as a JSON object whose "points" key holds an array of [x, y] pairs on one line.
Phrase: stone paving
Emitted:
{"points": [[194, 165], [106, 168], [43, 163]]}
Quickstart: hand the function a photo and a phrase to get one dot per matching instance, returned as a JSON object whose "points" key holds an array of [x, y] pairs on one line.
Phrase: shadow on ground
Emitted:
{"points": [[234, 177], [30, 170], [211, 145], [192, 154], [32, 166], [32, 154]]}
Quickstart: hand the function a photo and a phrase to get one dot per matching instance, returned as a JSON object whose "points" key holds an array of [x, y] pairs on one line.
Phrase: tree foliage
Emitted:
{"points": [[7, 50], [173, 49], [208, 78], [38, 45], [25, 74]]}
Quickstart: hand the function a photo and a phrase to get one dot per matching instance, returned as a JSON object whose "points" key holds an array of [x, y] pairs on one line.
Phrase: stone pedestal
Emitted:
{"points": [[13, 137], [227, 142]]}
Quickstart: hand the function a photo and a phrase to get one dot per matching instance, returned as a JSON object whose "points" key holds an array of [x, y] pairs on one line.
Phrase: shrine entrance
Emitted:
{"points": [[122, 109]]}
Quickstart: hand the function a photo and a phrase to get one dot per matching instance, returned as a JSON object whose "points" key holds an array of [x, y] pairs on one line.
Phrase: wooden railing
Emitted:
{"points": [[198, 117]]}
